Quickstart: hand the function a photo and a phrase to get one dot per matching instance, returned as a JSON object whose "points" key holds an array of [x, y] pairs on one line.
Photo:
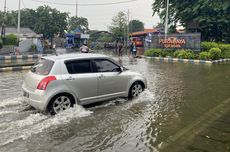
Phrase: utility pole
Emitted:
{"points": [[76, 7], [131, 26], [128, 28], [166, 18], [124, 36], [3, 32], [5, 7], [19, 17]]}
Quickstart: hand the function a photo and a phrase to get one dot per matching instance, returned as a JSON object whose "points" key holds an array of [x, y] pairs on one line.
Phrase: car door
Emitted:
{"points": [[82, 79], [111, 81]]}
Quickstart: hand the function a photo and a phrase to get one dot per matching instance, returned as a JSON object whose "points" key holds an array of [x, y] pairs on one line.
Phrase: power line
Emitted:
{"points": [[23, 4], [89, 4]]}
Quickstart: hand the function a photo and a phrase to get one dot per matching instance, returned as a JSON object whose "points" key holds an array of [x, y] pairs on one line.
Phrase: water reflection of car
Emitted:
{"points": [[56, 83]]}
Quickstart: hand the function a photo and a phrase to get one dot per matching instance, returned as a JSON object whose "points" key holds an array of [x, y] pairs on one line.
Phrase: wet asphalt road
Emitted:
{"points": [[177, 96]]}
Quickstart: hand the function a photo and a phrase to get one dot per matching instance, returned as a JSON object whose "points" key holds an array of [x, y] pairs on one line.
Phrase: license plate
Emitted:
{"points": [[25, 94]]}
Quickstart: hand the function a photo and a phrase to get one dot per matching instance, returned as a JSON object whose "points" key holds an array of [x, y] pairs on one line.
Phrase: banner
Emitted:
{"points": [[190, 41]]}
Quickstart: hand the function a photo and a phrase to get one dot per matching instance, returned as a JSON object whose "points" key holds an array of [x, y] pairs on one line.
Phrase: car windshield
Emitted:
{"points": [[42, 67]]}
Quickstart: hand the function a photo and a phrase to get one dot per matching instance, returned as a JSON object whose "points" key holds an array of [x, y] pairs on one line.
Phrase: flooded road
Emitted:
{"points": [[177, 96]]}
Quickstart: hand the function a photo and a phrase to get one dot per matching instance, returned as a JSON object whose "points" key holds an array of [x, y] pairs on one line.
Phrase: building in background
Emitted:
{"points": [[143, 38], [27, 37], [76, 38]]}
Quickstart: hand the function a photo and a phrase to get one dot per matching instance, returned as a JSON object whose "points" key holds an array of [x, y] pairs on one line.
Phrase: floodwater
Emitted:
{"points": [[177, 95]]}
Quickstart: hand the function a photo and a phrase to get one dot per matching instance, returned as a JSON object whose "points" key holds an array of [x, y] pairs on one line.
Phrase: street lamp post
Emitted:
{"points": [[19, 17], [166, 18], [76, 7]]}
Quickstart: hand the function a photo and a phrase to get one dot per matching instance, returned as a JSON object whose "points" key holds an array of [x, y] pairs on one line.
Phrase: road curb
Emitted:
{"points": [[189, 61], [8, 59], [18, 68]]}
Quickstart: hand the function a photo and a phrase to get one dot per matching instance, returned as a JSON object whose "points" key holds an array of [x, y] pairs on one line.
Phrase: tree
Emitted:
{"points": [[28, 18], [43, 20], [101, 36], [136, 25], [50, 21], [119, 25], [211, 18], [78, 22], [9, 19]]}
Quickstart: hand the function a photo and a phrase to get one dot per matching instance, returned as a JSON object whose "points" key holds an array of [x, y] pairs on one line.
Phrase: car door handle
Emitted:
{"points": [[70, 79], [101, 76]]}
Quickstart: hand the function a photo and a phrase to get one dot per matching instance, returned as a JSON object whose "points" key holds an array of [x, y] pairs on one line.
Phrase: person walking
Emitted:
{"points": [[131, 48], [120, 47], [134, 50], [84, 48]]}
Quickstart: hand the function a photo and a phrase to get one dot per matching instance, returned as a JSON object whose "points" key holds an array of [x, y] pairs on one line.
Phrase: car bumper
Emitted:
{"points": [[35, 98]]}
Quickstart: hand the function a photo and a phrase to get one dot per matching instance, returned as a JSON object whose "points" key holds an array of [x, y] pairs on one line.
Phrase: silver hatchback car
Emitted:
{"points": [[56, 83]]}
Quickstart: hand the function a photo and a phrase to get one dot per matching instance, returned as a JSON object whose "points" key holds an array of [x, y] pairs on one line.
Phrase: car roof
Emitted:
{"points": [[74, 56]]}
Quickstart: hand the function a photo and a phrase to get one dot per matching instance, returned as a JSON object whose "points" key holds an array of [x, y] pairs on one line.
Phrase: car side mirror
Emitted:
{"points": [[121, 69]]}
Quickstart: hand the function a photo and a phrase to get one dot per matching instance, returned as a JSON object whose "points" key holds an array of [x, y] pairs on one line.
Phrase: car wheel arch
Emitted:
{"points": [[137, 81], [73, 98]]}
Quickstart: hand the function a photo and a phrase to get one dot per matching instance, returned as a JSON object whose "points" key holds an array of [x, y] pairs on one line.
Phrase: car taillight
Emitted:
{"points": [[45, 81]]}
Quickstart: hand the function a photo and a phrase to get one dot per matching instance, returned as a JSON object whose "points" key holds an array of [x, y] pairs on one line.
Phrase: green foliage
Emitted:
{"points": [[118, 26], [176, 53], [1, 43], [167, 53], [44, 20], [225, 49], [33, 48], [211, 18], [153, 52], [172, 29], [204, 55], [100, 36], [28, 18], [11, 39], [78, 22], [50, 21], [184, 54], [105, 38], [206, 46], [136, 25], [215, 53]]}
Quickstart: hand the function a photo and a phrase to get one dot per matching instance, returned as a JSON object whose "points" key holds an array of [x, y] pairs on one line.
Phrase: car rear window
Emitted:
{"points": [[42, 67]]}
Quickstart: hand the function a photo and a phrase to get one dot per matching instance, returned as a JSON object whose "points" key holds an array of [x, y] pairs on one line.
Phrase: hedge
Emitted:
{"points": [[215, 53], [11, 40]]}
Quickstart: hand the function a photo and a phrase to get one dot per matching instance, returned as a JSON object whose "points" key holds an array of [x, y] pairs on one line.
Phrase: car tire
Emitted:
{"points": [[135, 89], [60, 103]]}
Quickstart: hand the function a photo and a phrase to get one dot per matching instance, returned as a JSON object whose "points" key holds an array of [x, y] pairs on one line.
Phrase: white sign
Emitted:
{"points": [[84, 36]]}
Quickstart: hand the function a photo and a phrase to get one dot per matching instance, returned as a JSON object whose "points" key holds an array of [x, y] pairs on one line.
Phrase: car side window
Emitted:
{"points": [[104, 65], [79, 66]]}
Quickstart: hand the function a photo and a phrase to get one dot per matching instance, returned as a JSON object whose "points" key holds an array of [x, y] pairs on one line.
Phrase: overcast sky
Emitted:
{"points": [[99, 17]]}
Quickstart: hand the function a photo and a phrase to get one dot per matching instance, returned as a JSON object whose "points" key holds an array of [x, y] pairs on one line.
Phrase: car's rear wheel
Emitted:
{"points": [[60, 103], [135, 90]]}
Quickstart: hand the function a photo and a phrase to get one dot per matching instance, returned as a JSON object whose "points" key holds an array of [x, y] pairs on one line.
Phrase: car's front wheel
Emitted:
{"points": [[135, 90], [59, 103]]}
